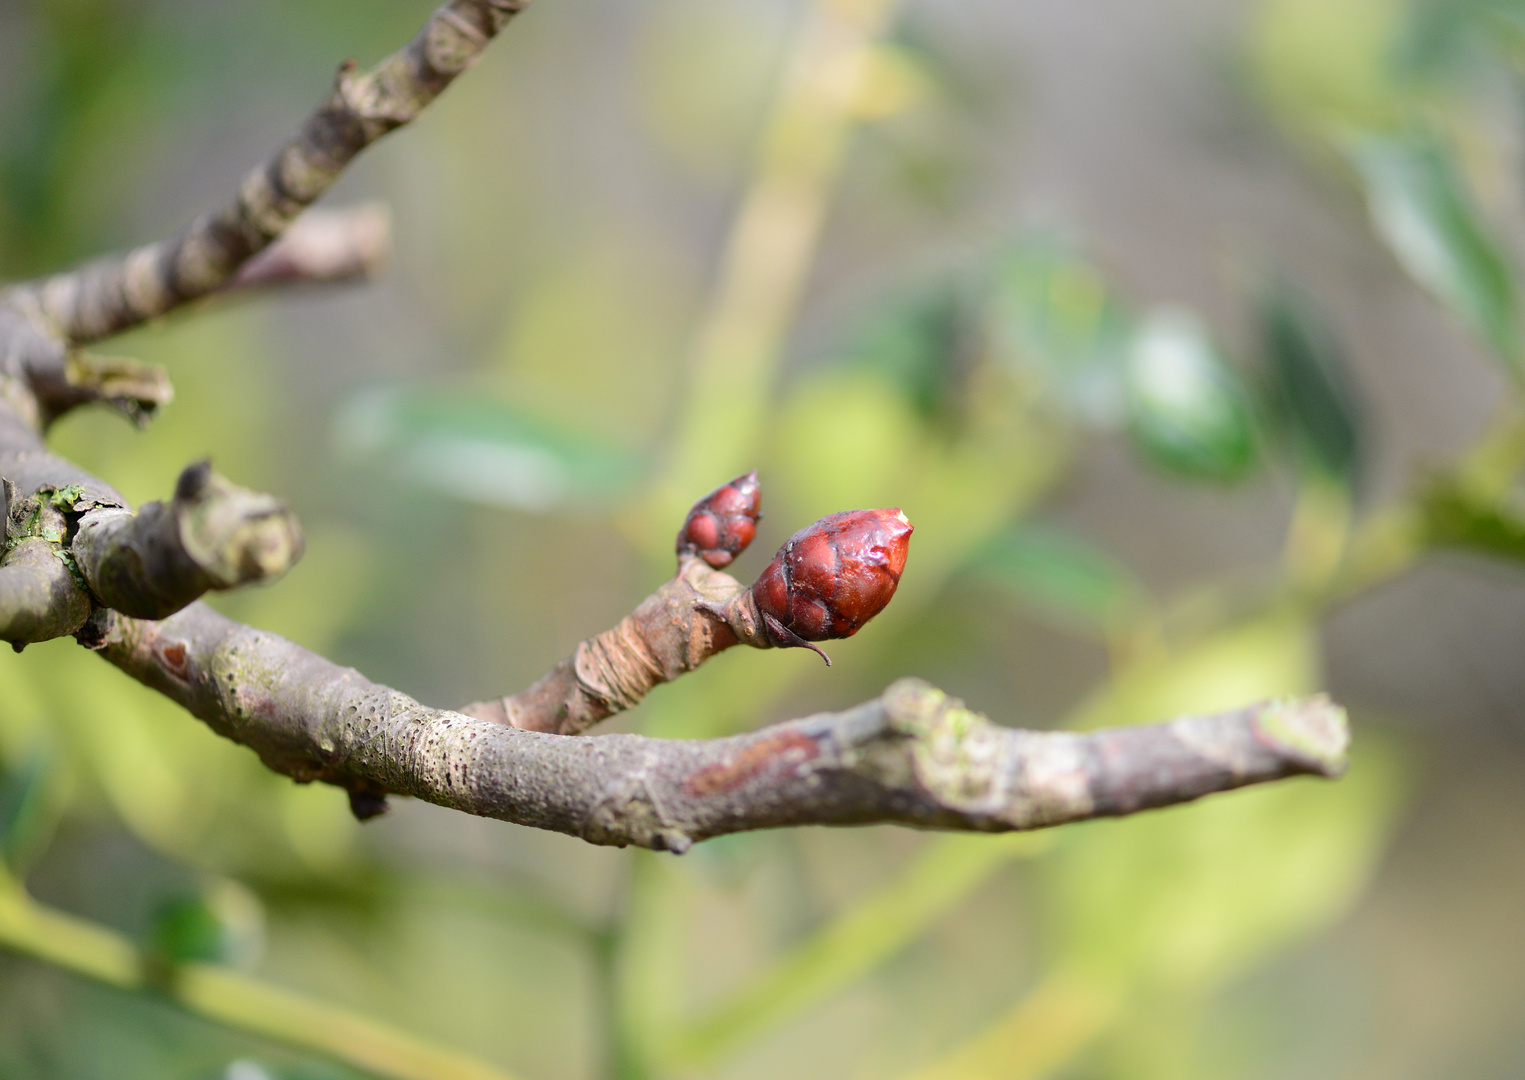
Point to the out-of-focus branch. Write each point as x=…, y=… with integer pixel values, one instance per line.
x=121, y=291
x=323, y=247
x=697, y=614
x=226, y=997
x=213, y=535
x=775, y=232
x=912, y=756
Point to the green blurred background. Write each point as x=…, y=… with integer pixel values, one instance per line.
x=1185, y=332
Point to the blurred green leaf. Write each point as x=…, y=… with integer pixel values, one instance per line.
x=1189, y=411
x=1454, y=517
x=1185, y=898
x=1446, y=33
x=1326, y=66
x=1061, y=321
x=1063, y=575
x=186, y=930
x=85, y=54
x=252, y=1069
x=1042, y=1031
x=473, y=448
x=1421, y=206
x=922, y=345
x=24, y=817
x=948, y=870
x=1311, y=383
x=221, y=924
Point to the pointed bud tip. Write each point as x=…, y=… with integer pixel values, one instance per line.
x=831, y=578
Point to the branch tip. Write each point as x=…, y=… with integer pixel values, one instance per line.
x=1314, y=730
x=135, y=389
x=323, y=247
x=193, y=480
x=237, y=536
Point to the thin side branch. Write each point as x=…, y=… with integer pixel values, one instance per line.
x=122, y=291
x=826, y=582
x=323, y=247
x=912, y=756
x=700, y=612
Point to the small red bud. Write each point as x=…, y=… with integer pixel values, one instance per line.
x=723, y=523
x=830, y=579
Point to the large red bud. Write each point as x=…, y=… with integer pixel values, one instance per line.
x=723, y=523
x=830, y=579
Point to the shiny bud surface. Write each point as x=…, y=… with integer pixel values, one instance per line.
x=723, y=523
x=831, y=578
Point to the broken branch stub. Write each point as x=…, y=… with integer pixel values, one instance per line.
x=213, y=535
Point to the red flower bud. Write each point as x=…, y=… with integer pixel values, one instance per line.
x=723, y=523
x=830, y=579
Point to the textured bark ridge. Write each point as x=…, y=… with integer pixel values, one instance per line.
x=77, y=560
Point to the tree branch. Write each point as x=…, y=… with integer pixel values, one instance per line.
x=912, y=756
x=121, y=291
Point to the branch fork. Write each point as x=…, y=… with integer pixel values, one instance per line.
x=825, y=582
x=78, y=560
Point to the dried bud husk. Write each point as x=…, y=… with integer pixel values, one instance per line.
x=831, y=578
x=723, y=523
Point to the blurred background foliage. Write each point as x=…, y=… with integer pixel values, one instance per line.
x=1187, y=334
